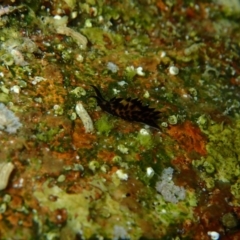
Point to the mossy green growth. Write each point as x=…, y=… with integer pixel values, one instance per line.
x=98, y=35
x=104, y=125
x=174, y=213
x=78, y=92
x=46, y=134
x=130, y=73
x=4, y=98
x=235, y=190
x=145, y=139
x=222, y=161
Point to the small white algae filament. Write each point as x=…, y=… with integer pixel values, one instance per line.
x=5, y=171
x=86, y=119
x=213, y=235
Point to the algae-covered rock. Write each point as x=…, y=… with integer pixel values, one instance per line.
x=73, y=203
x=98, y=36
x=222, y=161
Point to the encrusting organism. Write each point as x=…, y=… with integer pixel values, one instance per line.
x=5, y=171
x=8, y=121
x=166, y=187
x=128, y=109
x=86, y=119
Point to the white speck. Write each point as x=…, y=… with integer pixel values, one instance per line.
x=115, y=91
x=19, y=184
x=173, y=70
x=59, y=217
x=214, y=235
x=56, y=107
x=15, y=89
x=79, y=58
x=112, y=67
x=1, y=74
x=139, y=71
x=130, y=68
x=37, y=79
x=185, y=95
x=143, y=131
x=146, y=94
x=163, y=211
x=88, y=23
x=122, y=149
x=74, y=14
x=150, y=172
x=122, y=175
x=57, y=17
x=122, y=83
x=196, y=7
x=100, y=19
x=163, y=54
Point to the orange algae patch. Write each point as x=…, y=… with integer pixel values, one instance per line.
x=16, y=202
x=105, y=155
x=82, y=139
x=182, y=162
x=126, y=127
x=210, y=213
x=67, y=157
x=51, y=92
x=51, y=89
x=161, y=5
x=15, y=217
x=52, y=162
x=189, y=137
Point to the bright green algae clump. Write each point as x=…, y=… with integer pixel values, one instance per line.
x=145, y=139
x=222, y=161
x=103, y=125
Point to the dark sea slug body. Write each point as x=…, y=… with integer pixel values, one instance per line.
x=128, y=109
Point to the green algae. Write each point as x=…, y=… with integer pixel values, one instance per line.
x=221, y=163
x=4, y=98
x=85, y=216
x=145, y=139
x=235, y=190
x=130, y=73
x=171, y=213
x=72, y=202
x=97, y=36
x=104, y=125
x=46, y=133
x=78, y=92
